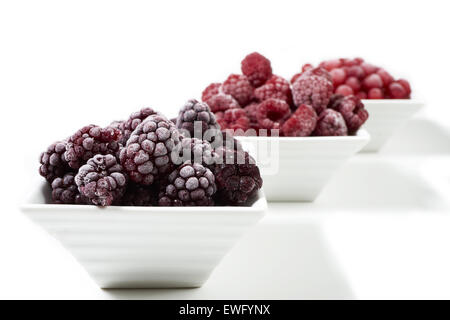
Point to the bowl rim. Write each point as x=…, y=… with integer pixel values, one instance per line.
x=361, y=135
x=259, y=205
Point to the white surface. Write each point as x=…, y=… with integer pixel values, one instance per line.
x=65, y=64
x=144, y=247
x=385, y=118
x=297, y=169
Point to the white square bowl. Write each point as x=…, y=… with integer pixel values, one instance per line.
x=145, y=247
x=297, y=168
x=385, y=117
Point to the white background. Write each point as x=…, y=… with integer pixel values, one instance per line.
x=64, y=64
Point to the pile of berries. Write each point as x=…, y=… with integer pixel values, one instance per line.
x=258, y=102
x=148, y=160
x=363, y=80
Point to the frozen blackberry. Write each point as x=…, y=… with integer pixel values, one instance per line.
x=89, y=141
x=239, y=88
x=222, y=102
x=53, y=162
x=188, y=185
x=128, y=126
x=352, y=109
x=147, y=153
x=136, y=195
x=101, y=180
x=257, y=68
x=196, y=116
x=330, y=123
x=237, y=177
x=227, y=140
x=65, y=190
x=195, y=151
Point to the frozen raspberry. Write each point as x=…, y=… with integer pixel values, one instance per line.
x=373, y=81
x=257, y=69
x=398, y=91
x=330, y=123
x=302, y=122
x=101, y=180
x=89, y=141
x=195, y=151
x=239, y=87
x=375, y=93
x=65, y=190
x=137, y=195
x=335, y=100
x=276, y=87
x=188, y=185
x=338, y=76
x=321, y=72
x=211, y=90
x=234, y=119
x=313, y=90
x=352, y=109
x=272, y=113
x=306, y=67
x=237, y=177
x=295, y=77
x=344, y=89
x=53, y=162
x=251, y=111
x=222, y=102
x=147, y=153
x=195, y=116
x=128, y=126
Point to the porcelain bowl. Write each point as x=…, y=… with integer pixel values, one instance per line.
x=144, y=247
x=385, y=117
x=297, y=168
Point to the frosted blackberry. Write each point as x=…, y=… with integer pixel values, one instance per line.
x=196, y=115
x=227, y=140
x=194, y=150
x=65, y=190
x=89, y=141
x=101, y=180
x=53, y=162
x=188, y=185
x=237, y=177
x=137, y=195
x=148, y=150
x=128, y=126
